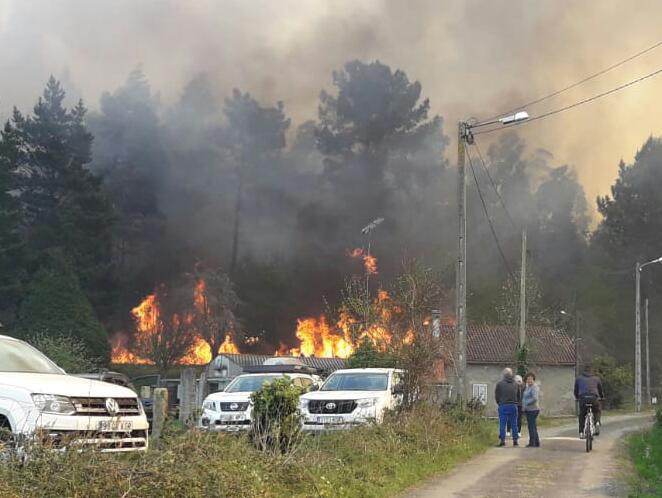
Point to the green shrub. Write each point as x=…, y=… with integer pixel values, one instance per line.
x=55, y=305
x=646, y=453
x=616, y=379
x=68, y=352
x=276, y=419
x=366, y=355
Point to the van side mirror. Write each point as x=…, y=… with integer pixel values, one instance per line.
x=314, y=387
x=398, y=389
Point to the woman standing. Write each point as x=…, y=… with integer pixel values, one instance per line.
x=531, y=409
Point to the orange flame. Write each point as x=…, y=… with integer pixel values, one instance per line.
x=148, y=320
x=369, y=261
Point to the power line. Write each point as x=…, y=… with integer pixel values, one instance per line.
x=487, y=215
x=576, y=104
x=583, y=80
x=494, y=187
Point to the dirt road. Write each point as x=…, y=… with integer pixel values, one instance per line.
x=560, y=468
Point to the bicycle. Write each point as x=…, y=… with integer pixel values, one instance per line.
x=589, y=424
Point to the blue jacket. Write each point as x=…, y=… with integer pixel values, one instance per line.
x=530, y=398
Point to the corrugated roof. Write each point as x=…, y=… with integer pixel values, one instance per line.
x=497, y=344
x=326, y=364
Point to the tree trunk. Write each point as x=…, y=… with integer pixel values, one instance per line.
x=235, y=234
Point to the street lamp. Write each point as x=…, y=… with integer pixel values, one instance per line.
x=465, y=136
x=637, y=332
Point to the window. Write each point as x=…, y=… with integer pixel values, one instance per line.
x=479, y=392
x=249, y=383
x=356, y=382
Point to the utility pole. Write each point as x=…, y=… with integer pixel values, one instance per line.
x=461, y=274
x=648, y=365
x=522, y=295
x=464, y=136
x=637, y=339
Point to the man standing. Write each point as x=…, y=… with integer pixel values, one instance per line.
x=588, y=389
x=507, y=396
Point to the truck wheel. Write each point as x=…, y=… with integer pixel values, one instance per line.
x=6, y=438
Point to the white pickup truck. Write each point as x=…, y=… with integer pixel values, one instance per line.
x=231, y=410
x=352, y=397
x=39, y=400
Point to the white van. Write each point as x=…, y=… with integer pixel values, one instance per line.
x=38, y=399
x=352, y=397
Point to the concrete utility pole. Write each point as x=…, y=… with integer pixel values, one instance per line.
x=461, y=275
x=522, y=295
x=637, y=332
x=464, y=136
x=648, y=363
x=637, y=340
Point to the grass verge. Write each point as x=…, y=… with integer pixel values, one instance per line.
x=646, y=453
x=371, y=461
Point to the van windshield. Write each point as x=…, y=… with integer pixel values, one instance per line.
x=20, y=357
x=356, y=382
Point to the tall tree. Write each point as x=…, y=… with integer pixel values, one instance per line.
x=11, y=244
x=255, y=136
x=64, y=209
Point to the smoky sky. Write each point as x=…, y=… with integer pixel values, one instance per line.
x=473, y=58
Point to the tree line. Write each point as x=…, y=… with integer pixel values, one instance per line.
x=99, y=208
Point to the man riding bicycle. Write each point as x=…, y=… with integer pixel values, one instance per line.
x=588, y=391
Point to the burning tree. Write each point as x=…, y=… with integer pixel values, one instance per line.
x=165, y=333
x=215, y=303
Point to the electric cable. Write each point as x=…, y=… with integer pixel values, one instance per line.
x=576, y=104
x=576, y=84
x=487, y=215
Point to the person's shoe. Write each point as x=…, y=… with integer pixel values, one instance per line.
x=530, y=445
x=597, y=429
x=501, y=443
x=507, y=433
x=515, y=443
x=582, y=435
x=519, y=434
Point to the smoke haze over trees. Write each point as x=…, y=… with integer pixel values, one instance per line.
x=135, y=193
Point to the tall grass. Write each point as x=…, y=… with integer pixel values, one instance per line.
x=646, y=453
x=370, y=461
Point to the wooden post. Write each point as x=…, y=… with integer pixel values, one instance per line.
x=159, y=411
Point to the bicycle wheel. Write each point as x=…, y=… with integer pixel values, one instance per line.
x=588, y=431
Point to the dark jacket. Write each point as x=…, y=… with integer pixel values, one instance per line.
x=507, y=392
x=587, y=384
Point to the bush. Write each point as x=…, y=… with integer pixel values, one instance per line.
x=366, y=355
x=616, y=379
x=276, y=419
x=66, y=351
x=56, y=305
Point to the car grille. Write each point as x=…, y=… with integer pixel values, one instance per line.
x=233, y=422
x=104, y=441
x=97, y=406
x=331, y=406
x=234, y=407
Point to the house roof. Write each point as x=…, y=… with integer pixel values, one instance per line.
x=326, y=364
x=497, y=344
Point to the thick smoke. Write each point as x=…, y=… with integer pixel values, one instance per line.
x=175, y=144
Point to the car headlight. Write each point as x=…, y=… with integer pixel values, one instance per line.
x=141, y=408
x=51, y=403
x=303, y=404
x=209, y=405
x=366, y=403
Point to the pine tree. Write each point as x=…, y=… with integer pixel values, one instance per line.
x=65, y=210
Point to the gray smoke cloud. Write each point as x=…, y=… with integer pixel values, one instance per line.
x=473, y=58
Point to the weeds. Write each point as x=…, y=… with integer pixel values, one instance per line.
x=369, y=461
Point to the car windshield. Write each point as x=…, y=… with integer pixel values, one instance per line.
x=356, y=382
x=249, y=383
x=20, y=357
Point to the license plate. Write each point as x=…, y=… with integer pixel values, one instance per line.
x=330, y=420
x=114, y=425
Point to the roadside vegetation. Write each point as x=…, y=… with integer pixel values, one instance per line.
x=646, y=453
x=371, y=461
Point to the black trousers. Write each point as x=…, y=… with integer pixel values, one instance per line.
x=519, y=420
x=532, y=423
x=597, y=410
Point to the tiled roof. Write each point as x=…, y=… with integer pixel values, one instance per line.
x=490, y=344
x=326, y=364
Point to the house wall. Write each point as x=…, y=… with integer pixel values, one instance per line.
x=556, y=386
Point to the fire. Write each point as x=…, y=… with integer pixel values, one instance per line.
x=317, y=338
x=369, y=261
x=147, y=316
